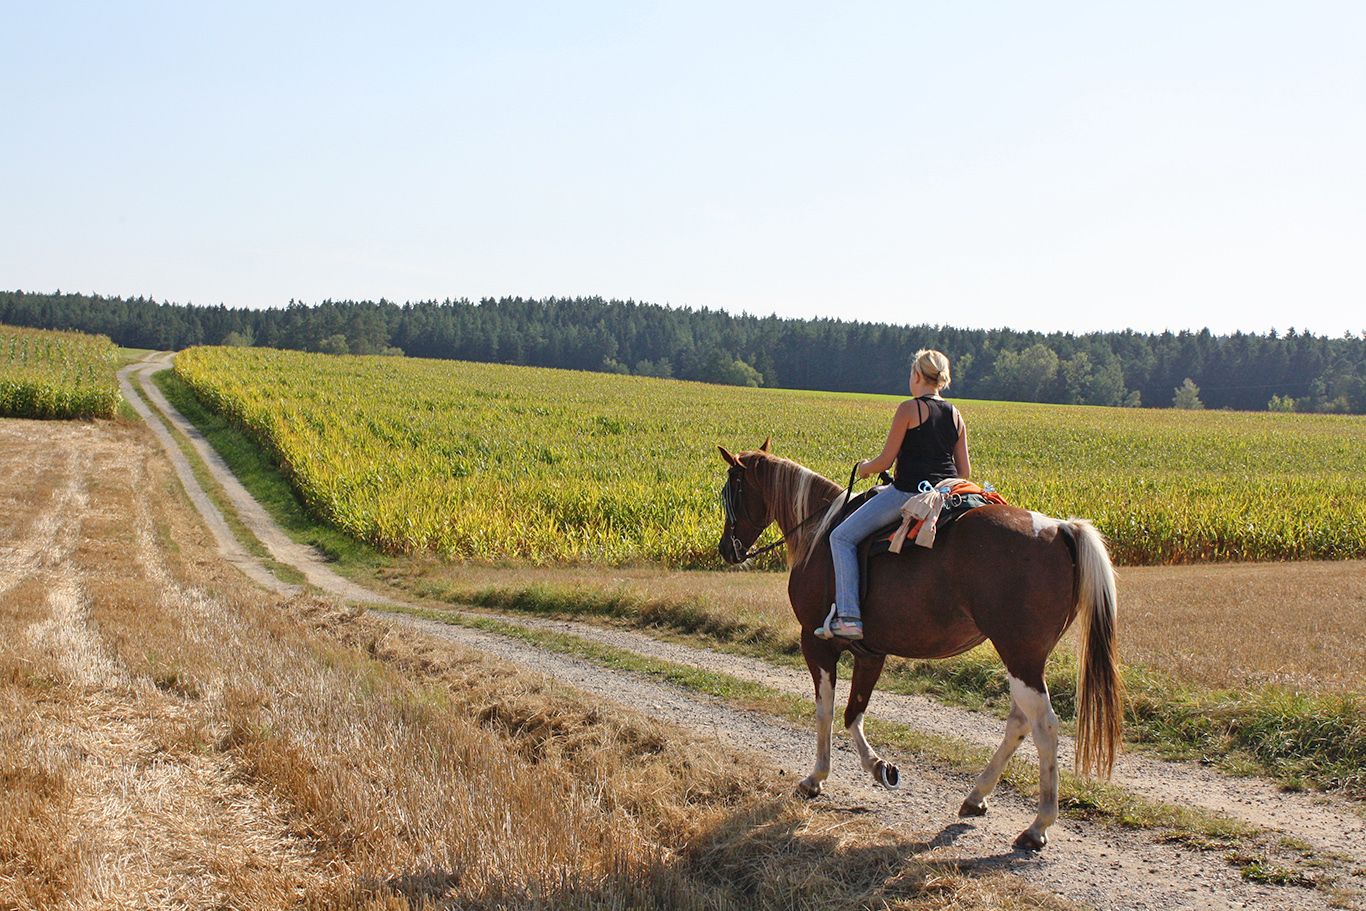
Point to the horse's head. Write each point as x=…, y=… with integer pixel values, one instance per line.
x=744, y=504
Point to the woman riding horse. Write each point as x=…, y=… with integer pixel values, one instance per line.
x=1002, y=573
x=928, y=441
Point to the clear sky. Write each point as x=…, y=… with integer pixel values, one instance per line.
x=1052, y=166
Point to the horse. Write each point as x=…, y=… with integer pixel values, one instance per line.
x=1015, y=577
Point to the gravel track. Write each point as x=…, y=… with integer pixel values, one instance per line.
x=1094, y=864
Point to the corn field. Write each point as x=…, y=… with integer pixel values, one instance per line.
x=58, y=375
x=495, y=462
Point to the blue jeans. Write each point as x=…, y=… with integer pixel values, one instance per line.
x=881, y=510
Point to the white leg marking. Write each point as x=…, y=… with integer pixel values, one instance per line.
x=1044, y=723
x=867, y=758
x=825, y=718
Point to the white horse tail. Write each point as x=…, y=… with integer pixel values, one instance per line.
x=1100, y=692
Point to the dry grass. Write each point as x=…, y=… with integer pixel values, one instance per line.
x=175, y=738
x=1220, y=626
x=1231, y=626
x=37, y=857
x=754, y=599
x=132, y=812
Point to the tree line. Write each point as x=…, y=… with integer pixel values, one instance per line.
x=1289, y=372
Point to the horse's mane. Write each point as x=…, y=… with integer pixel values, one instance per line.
x=797, y=493
x=823, y=526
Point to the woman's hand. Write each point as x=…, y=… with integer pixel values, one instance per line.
x=865, y=468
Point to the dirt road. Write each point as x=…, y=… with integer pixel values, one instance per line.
x=1088, y=863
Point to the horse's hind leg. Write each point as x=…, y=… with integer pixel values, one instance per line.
x=821, y=661
x=866, y=673
x=1044, y=723
x=1017, y=726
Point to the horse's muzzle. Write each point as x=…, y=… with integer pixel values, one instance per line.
x=730, y=550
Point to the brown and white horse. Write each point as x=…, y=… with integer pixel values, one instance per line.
x=1002, y=573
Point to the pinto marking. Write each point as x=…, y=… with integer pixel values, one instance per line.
x=1041, y=521
x=825, y=722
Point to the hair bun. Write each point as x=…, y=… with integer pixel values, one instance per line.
x=933, y=366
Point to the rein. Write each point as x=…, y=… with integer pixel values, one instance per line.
x=728, y=502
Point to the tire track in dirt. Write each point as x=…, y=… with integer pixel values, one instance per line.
x=283, y=548
x=30, y=544
x=1104, y=866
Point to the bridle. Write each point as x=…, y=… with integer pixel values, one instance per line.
x=732, y=495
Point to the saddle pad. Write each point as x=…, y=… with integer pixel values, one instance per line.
x=881, y=540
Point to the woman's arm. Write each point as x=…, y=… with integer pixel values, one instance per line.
x=960, y=450
x=906, y=413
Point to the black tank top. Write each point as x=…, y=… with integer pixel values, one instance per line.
x=927, y=450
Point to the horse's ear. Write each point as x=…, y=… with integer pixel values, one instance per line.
x=727, y=456
x=767, y=440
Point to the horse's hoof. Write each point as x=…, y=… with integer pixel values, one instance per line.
x=972, y=809
x=888, y=774
x=808, y=788
x=1028, y=841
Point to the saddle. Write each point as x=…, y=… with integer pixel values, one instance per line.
x=926, y=517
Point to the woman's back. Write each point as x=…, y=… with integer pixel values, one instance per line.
x=927, y=449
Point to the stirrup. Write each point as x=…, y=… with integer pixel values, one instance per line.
x=823, y=631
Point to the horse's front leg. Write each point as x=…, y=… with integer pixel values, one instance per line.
x=822, y=661
x=867, y=670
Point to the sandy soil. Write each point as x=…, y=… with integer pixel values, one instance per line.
x=1088, y=863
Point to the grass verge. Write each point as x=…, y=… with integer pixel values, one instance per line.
x=1302, y=740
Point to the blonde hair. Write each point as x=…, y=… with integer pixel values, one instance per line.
x=933, y=367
